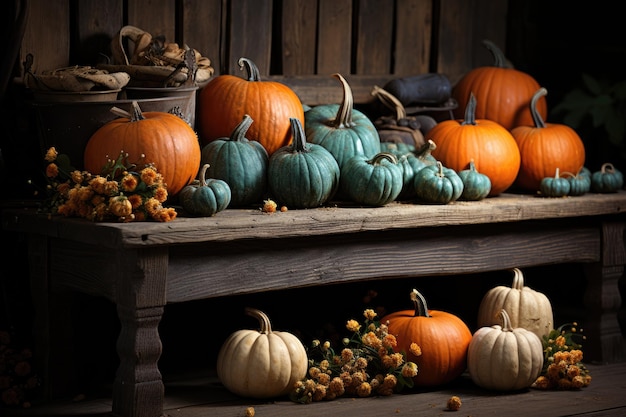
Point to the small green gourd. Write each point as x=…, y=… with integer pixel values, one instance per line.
x=607, y=180
x=205, y=198
x=476, y=185
x=437, y=184
x=556, y=186
x=372, y=182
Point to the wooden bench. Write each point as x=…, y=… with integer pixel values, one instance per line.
x=141, y=267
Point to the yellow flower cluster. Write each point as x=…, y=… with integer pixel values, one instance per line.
x=367, y=365
x=563, y=367
x=123, y=192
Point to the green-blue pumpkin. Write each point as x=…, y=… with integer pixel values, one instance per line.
x=436, y=184
x=607, y=180
x=556, y=186
x=476, y=185
x=344, y=131
x=302, y=175
x=242, y=163
x=204, y=198
x=372, y=182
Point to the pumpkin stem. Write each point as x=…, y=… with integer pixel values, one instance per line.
x=239, y=133
x=299, y=138
x=264, y=321
x=344, y=114
x=134, y=116
x=383, y=155
x=533, y=107
x=470, y=111
x=505, y=320
x=607, y=168
x=421, y=308
x=498, y=56
x=253, y=70
x=390, y=101
x=518, y=279
x=425, y=150
x=440, y=169
x=202, y=175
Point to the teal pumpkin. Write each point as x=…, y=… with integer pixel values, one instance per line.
x=607, y=180
x=242, y=163
x=344, y=131
x=476, y=185
x=579, y=184
x=302, y=175
x=556, y=186
x=204, y=198
x=411, y=162
x=372, y=182
x=437, y=184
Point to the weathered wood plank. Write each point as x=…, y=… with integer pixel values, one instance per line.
x=235, y=224
x=298, y=37
x=157, y=17
x=412, y=37
x=96, y=25
x=454, y=39
x=47, y=34
x=375, y=24
x=200, y=26
x=334, y=48
x=250, y=35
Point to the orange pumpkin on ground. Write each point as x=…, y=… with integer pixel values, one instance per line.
x=503, y=93
x=160, y=138
x=224, y=101
x=492, y=148
x=443, y=338
x=544, y=147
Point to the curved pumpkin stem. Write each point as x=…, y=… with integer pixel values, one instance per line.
x=390, y=101
x=498, y=56
x=425, y=150
x=383, y=155
x=421, y=308
x=202, y=175
x=518, y=279
x=239, y=132
x=253, y=70
x=344, y=114
x=264, y=321
x=470, y=111
x=505, y=320
x=533, y=107
x=607, y=168
x=299, y=138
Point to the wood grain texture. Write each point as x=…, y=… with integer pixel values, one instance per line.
x=47, y=34
x=334, y=37
x=374, y=34
x=299, y=37
x=413, y=36
x=250, y=35
x=200, y=27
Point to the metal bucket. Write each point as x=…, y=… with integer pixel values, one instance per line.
x=68, y=126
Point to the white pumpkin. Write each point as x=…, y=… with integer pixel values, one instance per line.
x=526, y=307
x=503, y=358
x=263, y=363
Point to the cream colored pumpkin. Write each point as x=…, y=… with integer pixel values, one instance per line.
x=526, y=307
x=263, y=363
x=503, y=358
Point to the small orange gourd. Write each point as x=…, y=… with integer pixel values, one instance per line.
x=544, y=147
x=492, y=148
x=442, y=337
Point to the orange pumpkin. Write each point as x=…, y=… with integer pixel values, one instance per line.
x=503, y=93
x=160, y=138
x=224, y=101
x=443, y=338
x=546, y=147
x=490, y=145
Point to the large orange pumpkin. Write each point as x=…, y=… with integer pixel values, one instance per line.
x=443, y=338
x=503, y=93
x=224, y=101
x=546, y=147
x=492, y=148
x=160, y=138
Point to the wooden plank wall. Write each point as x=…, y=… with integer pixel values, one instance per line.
x=299, y=42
